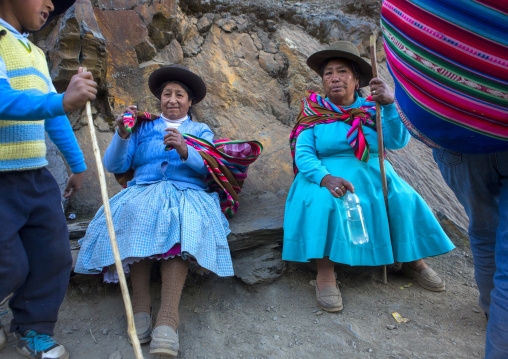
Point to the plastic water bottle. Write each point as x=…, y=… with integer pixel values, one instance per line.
x=355, y=221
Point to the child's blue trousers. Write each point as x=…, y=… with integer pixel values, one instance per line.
x=35, y=256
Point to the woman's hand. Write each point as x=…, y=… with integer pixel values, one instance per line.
x=381, y=92
x=337, y=186
x=122, y=131
x=175, y=139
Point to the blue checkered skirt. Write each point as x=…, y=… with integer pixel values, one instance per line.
x=150, y=219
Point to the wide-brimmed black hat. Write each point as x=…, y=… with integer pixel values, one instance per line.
x=61, y=6
x=346, y=50
x=177, y=73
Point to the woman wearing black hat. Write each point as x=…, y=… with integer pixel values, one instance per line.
x=331, y=145
x=165, y=213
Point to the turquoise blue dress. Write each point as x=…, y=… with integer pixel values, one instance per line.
x=315, y=222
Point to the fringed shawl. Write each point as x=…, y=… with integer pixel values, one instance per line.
x=316, y=110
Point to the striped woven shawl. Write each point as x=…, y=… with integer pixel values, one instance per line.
x=227, y=167
x=227, y=163
x=449, y=59
x=316, y=110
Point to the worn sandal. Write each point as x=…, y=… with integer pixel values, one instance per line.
x=329, y=299
x=164, y=341
x=428, y=279
x=143, y=323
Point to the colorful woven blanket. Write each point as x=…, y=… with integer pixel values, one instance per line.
x=316, y=110
x=227, y=162
x=449, y=59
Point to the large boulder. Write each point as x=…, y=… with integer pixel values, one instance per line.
x=252, y=56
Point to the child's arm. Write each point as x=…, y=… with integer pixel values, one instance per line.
x=28, y=106
x=61, y=134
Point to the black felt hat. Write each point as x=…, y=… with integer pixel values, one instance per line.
x=177, y=73
x=61, y=6
x=344, y=49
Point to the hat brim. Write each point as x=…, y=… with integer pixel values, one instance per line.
x=189, y=78
x=318, y=58
x=60, y=6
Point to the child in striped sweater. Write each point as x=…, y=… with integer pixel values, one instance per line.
x=35, y=260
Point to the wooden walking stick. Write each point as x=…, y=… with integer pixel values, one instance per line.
x=379, y=130
x=112, y=237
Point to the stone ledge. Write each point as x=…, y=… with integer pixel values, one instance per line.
x=255, y=240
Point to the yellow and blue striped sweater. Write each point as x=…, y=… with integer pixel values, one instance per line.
x=25, y=101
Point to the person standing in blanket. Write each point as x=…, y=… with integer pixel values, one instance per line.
x=449, y=60
x=165, y=214
x=35, y=257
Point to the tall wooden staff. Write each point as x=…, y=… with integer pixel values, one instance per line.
x=112, y=237
x=379, y=130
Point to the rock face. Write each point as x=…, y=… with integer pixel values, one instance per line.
x=252, y=56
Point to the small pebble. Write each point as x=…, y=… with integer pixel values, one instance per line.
x=276, y=337
x=370, y=350
x=115, y=355
x=390, y=327
x=316, y=321
x=284, y=316
x=319, y=312
x=105, y=331
x=67, y=331
x=476, y=310
x=274, y=318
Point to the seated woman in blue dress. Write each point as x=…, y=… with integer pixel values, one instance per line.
x=164, y=213
x=332, y=142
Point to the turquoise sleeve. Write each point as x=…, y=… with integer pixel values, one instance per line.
x=395, y=134
x=306, y=157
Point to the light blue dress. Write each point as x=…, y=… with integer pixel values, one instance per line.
x=315, y=222
x=165, y=204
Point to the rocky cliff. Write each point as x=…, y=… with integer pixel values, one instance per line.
x=252, y=56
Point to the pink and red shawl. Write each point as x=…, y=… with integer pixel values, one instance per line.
x=449, y=59
x=316, y=110
x=227, y=163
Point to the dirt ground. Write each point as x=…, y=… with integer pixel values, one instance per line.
x=224, y=318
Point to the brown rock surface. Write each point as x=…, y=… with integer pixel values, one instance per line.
x=252, y=56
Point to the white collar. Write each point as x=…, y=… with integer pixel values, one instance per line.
x=9, y=27
x=179, y=120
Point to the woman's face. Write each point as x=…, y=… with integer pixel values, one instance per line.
x=175, y=101
x=339, y=82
